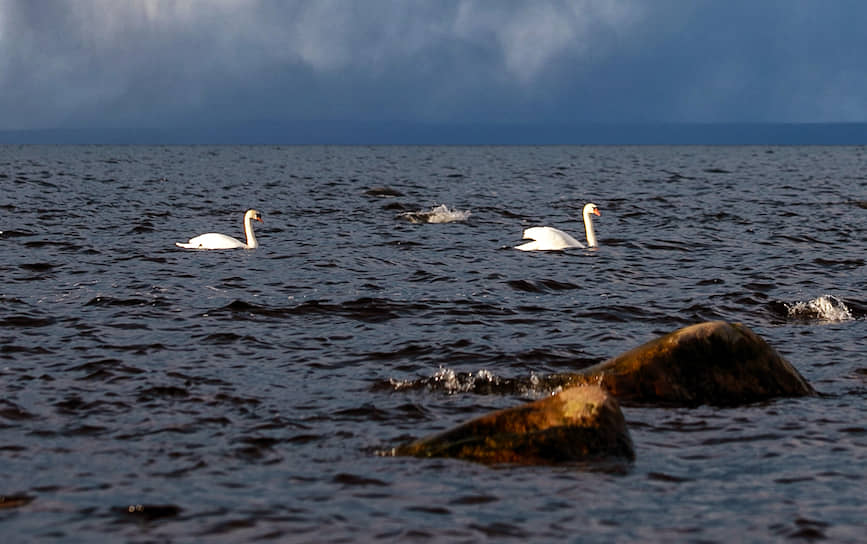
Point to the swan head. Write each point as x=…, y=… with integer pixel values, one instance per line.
x=253, y=214
x=591, y=208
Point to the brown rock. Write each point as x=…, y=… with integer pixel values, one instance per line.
x=579, y=424
x=714, y=363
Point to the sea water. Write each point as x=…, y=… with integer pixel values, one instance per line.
x=151, y=393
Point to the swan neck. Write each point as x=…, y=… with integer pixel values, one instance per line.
x=588, y=226
x=252, y=243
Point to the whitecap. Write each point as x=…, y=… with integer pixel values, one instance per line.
x=827, y=308
x=438, y=214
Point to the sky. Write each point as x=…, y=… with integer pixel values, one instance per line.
x=85, y=64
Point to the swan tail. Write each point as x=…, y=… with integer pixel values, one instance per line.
x=185, y=246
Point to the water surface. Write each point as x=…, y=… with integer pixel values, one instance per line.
x=153, y=393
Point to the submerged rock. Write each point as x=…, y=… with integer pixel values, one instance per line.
x=579, y=424
x=714, y=363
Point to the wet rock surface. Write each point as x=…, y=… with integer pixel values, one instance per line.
x=714, y=363
x=582, y=423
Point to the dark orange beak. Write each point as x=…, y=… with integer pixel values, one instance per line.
x=596, y=211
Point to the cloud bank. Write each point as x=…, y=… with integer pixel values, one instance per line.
x=159, y=63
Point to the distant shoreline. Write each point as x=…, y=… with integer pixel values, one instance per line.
x=411, y=133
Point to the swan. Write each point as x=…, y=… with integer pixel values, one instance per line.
x=213, y=240
x=548, y=238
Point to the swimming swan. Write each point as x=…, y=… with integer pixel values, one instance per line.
x=213, y=240
x=548, y=238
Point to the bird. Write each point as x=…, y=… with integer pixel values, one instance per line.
x=549, y=238
x=213, y=240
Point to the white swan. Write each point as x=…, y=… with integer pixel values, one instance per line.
x=548, y=238
x=213, y=240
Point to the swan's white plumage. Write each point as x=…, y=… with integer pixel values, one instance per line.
x=547, y=238
x=550, y=239
x=214, y=240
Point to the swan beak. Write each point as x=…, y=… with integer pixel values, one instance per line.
x=259, y=218
x=596, y=211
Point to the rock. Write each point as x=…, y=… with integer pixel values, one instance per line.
x=582, y=423
x=715, y=363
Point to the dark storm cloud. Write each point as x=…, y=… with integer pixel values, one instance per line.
x=151, y=62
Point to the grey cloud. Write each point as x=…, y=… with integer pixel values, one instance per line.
x=157, y=62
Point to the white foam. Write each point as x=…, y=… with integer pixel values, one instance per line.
x=481, y=381
x=447, y=378
x=438, y=214
x=455, y=383
x=827, y=308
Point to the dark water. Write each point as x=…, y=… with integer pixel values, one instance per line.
x=249, y=395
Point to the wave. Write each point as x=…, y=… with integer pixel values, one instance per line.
x=450, y=382
x=438, y=214
x=368, y=309
x=826, y=308
x=481, y=382
x=382, y=192
x=540, y=286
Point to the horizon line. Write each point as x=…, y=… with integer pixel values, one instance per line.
x=336, y=132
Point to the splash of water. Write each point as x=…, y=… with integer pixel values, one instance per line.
x=438, y=214
x=827, y=308
x=481, y=382
x=452, y=382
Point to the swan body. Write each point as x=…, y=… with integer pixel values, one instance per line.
x=213, y=240
x=549, y=238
